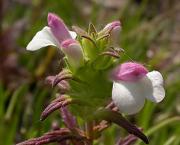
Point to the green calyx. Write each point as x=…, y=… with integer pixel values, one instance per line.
x=91, y=84
x=92, y=87
x=94, y=44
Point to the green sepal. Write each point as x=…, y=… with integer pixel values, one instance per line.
x=92, y=29
x=103, y=62
x=94, y=89
x=90, y=48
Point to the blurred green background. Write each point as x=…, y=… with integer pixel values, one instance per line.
x=150, y=34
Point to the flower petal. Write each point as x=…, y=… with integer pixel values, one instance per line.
x=73, y=34
x=112, y=25
x=154, y=89
x=58, y=27
x=129, y=71
x=73, y=51
x=42, y=38
x=128, y=96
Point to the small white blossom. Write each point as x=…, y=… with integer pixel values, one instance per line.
x=133, y=84
x=53, y=35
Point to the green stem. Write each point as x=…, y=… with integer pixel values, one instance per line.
x=162, y=124
x=14, y=100
x=159, y=126
x=170, y=140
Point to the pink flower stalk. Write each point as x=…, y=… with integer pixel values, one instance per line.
x=129, y=71
x=58, y=28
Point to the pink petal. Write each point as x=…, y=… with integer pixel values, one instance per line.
x=73, y=50
x=113, y=29
x=129, y=71
x=113, y=25
x=58, y=28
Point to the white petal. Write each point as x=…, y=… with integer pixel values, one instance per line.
x=154, y=89
x=128, y=96
x=73, y=34
x=74, y=54
x=42, y=38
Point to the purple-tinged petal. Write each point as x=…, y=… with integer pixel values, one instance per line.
x=68, y=42
x=58, y=28
x=129, y=71
x=113, y=25
x=114, y=29
x=73, y=51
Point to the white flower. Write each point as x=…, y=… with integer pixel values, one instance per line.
x=53, y=35
x=133, y=84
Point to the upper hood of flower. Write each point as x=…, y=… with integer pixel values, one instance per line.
x=113, y=25
x=129, y=71
x=58, y=28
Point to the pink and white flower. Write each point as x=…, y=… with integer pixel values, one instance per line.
x=73, y=50
x=133, y=84
x=53, y=34
x=115, y=25
x=114, y=28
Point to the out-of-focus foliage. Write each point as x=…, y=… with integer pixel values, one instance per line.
x=150, y=34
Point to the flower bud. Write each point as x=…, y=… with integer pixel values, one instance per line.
x=72, y=49
x=58, y=28
x=114, y=29
x=129, y=71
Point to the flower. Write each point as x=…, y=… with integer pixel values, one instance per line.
x=53, y=35
x=132, y=84
x=113, y=25
x=72, y=49
x=114, y=29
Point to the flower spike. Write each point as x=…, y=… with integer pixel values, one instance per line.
x=83, y=84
